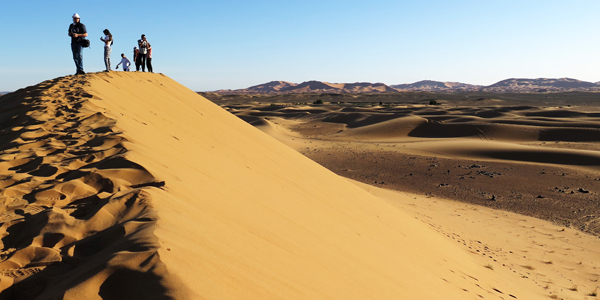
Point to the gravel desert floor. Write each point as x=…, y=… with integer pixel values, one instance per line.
x=536, y=161
x=524, y=179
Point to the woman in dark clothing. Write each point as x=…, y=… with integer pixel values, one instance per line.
x=136, y=58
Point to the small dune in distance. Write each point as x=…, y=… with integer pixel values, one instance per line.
x=128, y=185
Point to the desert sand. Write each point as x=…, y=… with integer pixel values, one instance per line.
x=541, y=161
x=128, y=185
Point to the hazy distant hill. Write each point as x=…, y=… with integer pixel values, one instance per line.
x=283, y=87
x=429, y=85
x=273, y=86
x=512, y=85
x=542, y=85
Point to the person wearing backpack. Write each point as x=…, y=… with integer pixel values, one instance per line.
x=136, y=58
x=77, y=32
x=143, y=44
x=108, y=41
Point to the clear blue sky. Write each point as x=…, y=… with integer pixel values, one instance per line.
x=228, y=44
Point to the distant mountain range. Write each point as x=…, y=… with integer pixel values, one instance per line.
x=285, y=87
x=512, y=85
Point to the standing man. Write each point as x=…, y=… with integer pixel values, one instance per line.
x=143, y=44
x=77, y=32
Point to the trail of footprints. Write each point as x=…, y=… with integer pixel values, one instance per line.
x=62, y=172
x=517, y=261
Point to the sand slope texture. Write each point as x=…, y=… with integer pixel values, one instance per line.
x=130, y=186
x=535, y=158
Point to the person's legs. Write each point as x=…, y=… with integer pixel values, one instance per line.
x=137, y=63
x=143, y=62
x=149, y=64
x=107, y=52
x=77, y=57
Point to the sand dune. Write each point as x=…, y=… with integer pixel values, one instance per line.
x=74, y=217
x=510, y=125
x=540, y=161
x=263, y=221
x=559, y=260
x=126, y=185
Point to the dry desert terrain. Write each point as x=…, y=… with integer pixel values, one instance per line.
x=541, y=161
x=124, y=185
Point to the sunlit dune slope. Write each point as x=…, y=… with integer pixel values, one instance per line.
x=122, y=185
x=245, y=217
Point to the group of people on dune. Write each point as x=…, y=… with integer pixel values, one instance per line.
x=142, y=56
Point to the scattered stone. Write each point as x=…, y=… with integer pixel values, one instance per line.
x=489, y=174
x=582, y=190
x=540, y=197
x=494, y=198
x=443, y=184
x=563, y=190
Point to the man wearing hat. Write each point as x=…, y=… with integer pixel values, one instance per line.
x=77, y=32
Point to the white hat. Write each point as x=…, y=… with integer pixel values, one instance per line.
x=76, y=16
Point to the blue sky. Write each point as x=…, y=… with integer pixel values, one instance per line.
x=227, y=44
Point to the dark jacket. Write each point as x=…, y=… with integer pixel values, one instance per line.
x=77, y=28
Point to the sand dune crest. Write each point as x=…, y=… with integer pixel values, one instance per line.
x=121, y=185
x=72, y=221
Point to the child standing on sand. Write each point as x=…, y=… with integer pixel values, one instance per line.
x=126, y=63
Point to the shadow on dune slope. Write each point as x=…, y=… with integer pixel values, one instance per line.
x=70, y=211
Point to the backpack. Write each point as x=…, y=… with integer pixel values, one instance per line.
x=85, y=43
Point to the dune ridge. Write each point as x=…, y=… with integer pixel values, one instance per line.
x=76, y=219
x=118, y=184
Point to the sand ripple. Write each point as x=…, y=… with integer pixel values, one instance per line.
x=74, y=213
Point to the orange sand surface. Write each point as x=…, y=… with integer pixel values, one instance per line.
x=128, y=185
x=536, y=158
